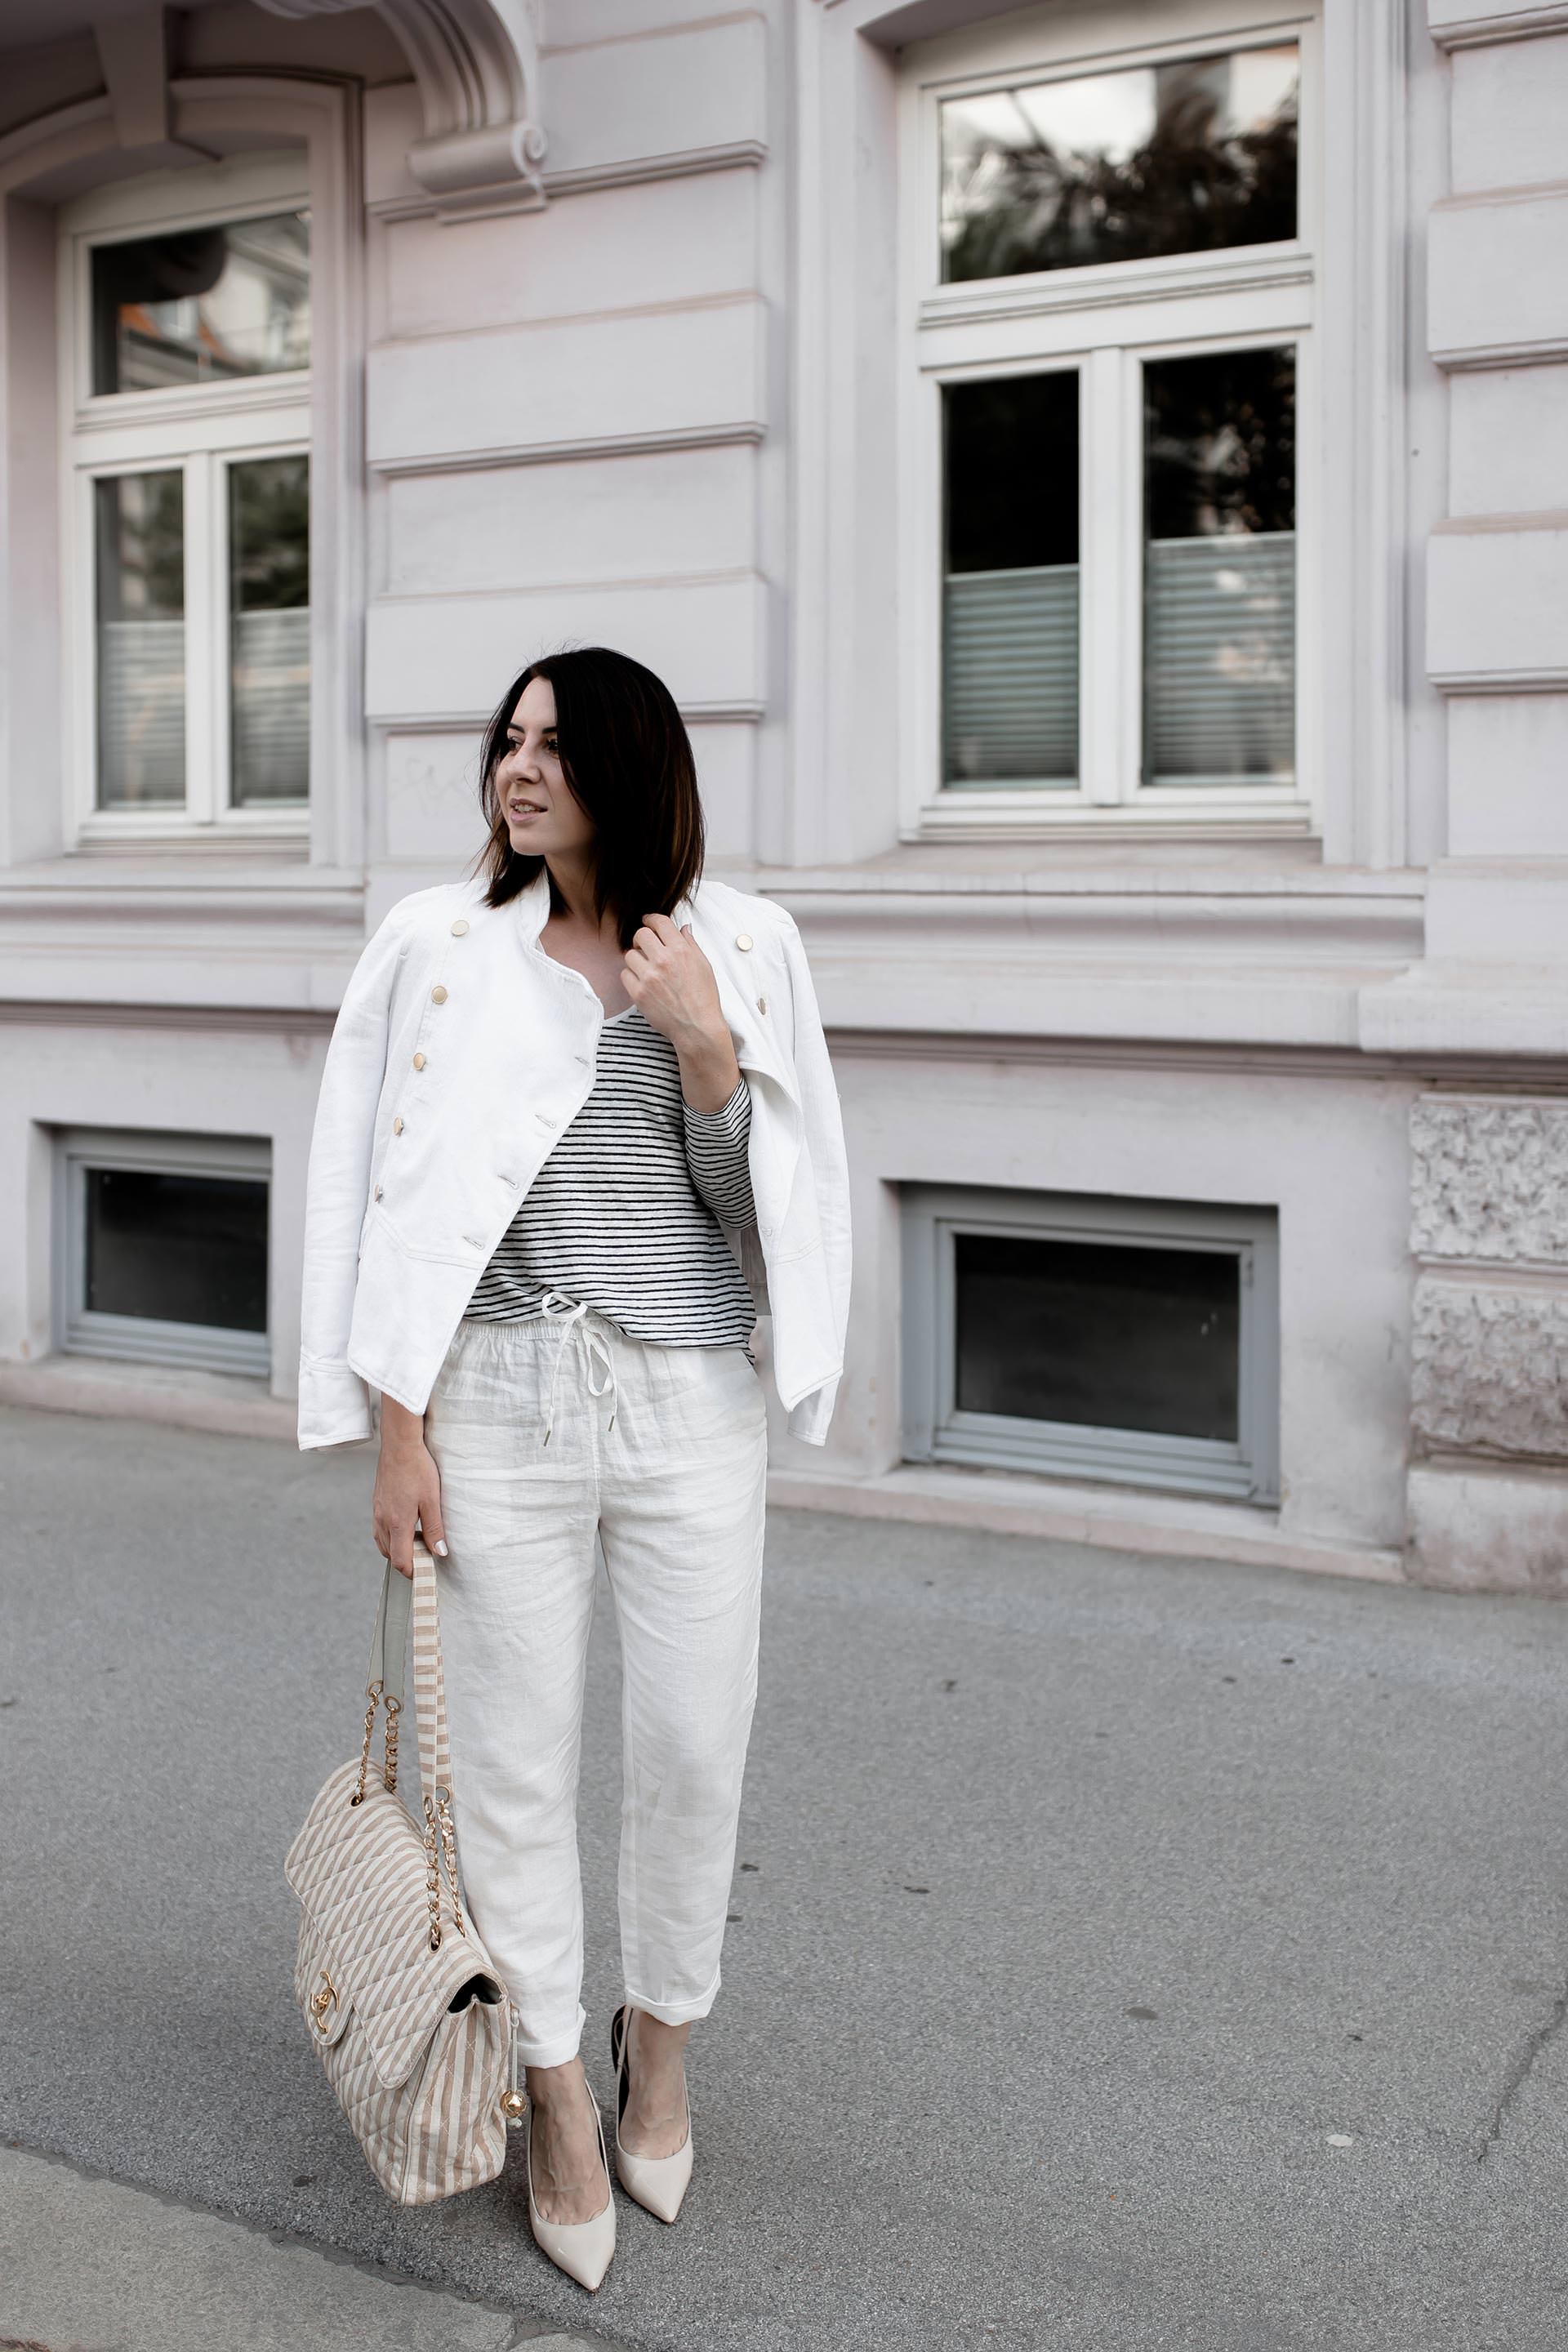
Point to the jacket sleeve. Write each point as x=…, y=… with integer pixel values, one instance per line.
x=334, y=1403
x=824, y=1127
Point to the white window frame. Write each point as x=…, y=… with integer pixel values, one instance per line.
x=936, y=1430
x=133, y=1339
x=1103, y=321
x=201, y=430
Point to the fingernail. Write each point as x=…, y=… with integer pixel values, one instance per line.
x=440, y=1552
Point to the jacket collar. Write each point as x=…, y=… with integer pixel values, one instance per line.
x=755, y=1033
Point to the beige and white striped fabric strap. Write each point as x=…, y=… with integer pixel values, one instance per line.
x=430, y=1684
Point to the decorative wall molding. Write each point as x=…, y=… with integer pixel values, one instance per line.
x=1482, y=31
x=549, y=453
x=1490, y=1180
x=679, y=164
x=1486, y=1370
x=1174, y=279
x=475, y=63
x=238, y=1020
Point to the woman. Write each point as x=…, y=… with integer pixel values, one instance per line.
x=552, y=1094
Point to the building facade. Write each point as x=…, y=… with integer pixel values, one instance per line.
x=1095, y=476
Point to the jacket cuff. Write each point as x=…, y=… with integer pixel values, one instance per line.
x=334, y=1406
x=809, y=1419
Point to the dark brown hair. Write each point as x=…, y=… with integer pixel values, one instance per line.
x=626, y=757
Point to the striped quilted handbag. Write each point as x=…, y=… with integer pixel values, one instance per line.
x=405, y=2011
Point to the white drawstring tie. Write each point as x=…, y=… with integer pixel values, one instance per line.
x=556, y=1307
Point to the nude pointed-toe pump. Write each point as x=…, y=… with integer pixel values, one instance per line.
x=657, y=2182
x=582, y=2249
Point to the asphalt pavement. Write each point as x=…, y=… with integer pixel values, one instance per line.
x=1128, y=1954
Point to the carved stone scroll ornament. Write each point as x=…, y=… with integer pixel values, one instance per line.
x=476, y=64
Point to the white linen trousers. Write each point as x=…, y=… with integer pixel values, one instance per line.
x=548, y=1433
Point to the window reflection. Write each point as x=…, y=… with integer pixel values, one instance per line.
x=1220, y=568
x=269, y=630
x=176, y=1248
x=202, y=305
x=1176, y=158
x=1010, y=618
x=141, y=593
x=1098, y=1334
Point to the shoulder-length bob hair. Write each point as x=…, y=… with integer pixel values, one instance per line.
x=626, y=756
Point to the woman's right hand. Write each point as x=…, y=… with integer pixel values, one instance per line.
x=407, y=1489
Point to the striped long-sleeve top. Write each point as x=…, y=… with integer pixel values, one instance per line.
x=624, y=1214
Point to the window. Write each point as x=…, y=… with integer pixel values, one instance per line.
x=163, y=1249
x=188, y=349
x=1108, y=294
x=1123, y=1340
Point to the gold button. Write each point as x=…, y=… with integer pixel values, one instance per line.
x=378, y=1192
x=459, y=928
x=762, y=1005
x=397, y=1127
x=743, y=940
x=438, y=994
x=419, y=1061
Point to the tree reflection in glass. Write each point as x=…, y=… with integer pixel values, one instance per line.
x=1125, y=166
x=270, y=629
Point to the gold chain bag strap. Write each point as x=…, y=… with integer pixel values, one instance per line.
x=404, y=2010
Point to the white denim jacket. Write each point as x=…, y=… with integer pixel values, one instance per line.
x=461, y=1052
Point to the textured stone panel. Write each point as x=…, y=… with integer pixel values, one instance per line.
x=1490, y=1178
x=1490, y=1372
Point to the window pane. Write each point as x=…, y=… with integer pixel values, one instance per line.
x=1104, y=1335
x=201, y=306
x=1011, y=590
x=141, y=597
x=1219, y=582
x=177, y=1249
x=270, y=629
x=1123, y=166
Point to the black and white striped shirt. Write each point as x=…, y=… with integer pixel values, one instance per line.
x=624, y=1216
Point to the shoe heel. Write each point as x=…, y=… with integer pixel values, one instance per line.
x=658, y=2183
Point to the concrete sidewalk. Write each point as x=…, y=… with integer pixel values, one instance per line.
x=1128, y=1956
x=87, y=2264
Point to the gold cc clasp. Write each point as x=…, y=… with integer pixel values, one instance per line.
x=323, y=1999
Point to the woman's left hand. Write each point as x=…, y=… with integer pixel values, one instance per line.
x=671, y=982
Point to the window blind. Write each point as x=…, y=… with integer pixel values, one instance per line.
x=1010, y=665
x=1220, y=659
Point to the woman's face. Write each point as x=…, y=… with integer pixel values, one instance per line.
x=543, y=817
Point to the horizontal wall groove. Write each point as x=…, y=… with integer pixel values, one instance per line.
x=550, y=453
x=1492, y=1273
x=1153, y=1054
x=684, y=24
x=727, y=577
x=1490, y=32
x=239, y=1020
x=440, y=722
x=1499, y=681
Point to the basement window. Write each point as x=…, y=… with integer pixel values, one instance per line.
x=164, y=1249
x=1098, y=1339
